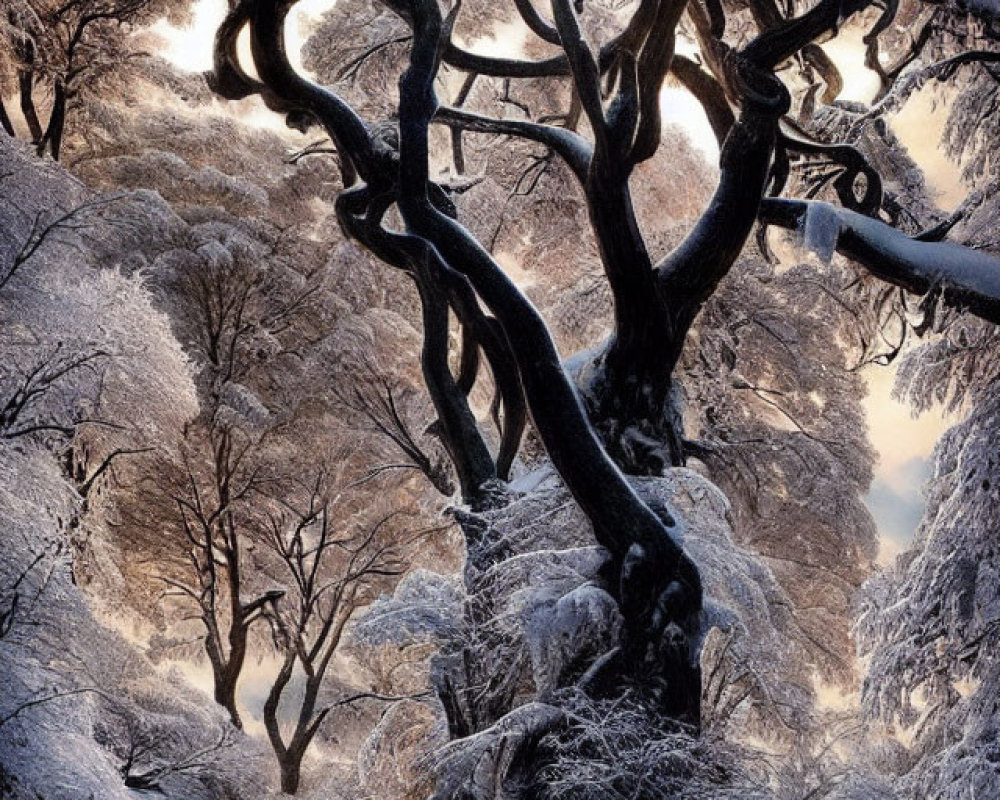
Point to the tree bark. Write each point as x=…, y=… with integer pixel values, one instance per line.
x=5, y=122
x=225, y=692
x=460, y=432
x=288, y=766
x=291, y=771
x=52, y=139
x=26, y=81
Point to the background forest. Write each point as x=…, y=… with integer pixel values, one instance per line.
x=296, y=498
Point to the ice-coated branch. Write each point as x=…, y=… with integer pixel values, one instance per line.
x=967, y=278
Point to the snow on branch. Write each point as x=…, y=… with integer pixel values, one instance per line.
x=967, y=278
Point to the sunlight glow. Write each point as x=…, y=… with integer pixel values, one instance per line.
x=679, y=107
x=190, y=47
x=904, y=444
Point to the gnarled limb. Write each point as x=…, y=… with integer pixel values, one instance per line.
x=360, y=212
x=687, y=277
x=468, y=366
x=484, y=331
x=660, y=585
x=850, y=158
x=781, y=41
x=571, y=147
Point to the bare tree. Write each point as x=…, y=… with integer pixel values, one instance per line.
x=215, y=508
x=330, y=576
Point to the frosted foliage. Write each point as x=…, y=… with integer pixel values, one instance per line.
x=240, y=407
x=83, y=339
x=951, y=369
x=930, y=626
x=535, y=604
x=423, y=605
x=617, y=750
x=398, y=634
x=198, y=159
x=768, y=395
x=91, y=694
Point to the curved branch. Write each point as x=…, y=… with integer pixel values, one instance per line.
x=457, y=154
x=288, y=89
x=828, y=71
x=583, y=66
x=228, y=78
x=571, y=147
x=534, y=21
x=487, y=333
x=850, y=158
x=781, y=41
x=688, y=276
x=460, y=433
x=653, y=64
x=468, y=367
x=707, y=91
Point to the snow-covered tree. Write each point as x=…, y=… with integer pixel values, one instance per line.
x=390, y=166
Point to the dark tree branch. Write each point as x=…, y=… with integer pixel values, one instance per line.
x=967, y=279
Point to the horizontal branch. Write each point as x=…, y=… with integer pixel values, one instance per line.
x=967, y=278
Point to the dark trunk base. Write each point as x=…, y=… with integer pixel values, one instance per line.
x=291, y=771
x=225, y=696
x=635, y=410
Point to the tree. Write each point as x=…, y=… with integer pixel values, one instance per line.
x=329, y=577
x=68, y=48
x=655, y=305
x=233, y=314
x=214, y=509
